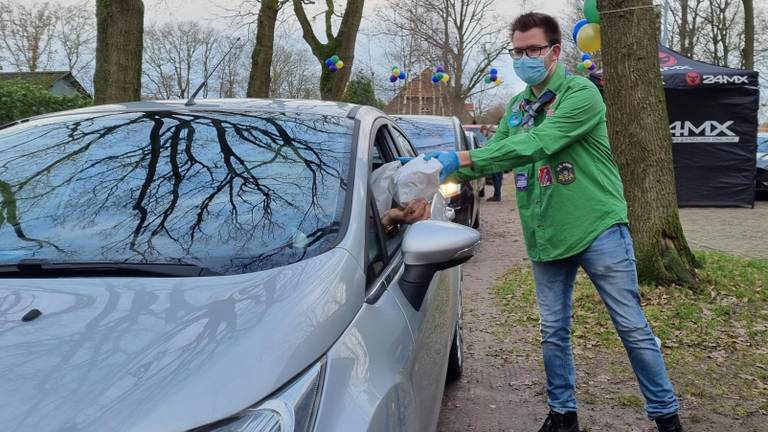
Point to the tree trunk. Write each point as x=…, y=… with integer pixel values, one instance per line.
x=642, y=143
x=748, y=53
x=261, y=59
x=119, y=45
x=333, y=84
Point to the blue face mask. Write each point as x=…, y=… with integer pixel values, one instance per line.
x=531, y=70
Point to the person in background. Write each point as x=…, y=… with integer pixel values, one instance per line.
x=573, y=212
x=496, y=178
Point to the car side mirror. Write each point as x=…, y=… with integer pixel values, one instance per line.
x=432, y=246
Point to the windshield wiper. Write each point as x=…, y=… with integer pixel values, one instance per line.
x=34, y=268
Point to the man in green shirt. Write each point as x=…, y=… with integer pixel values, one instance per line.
x=571, y=202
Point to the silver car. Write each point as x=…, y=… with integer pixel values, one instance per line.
x=219, y=267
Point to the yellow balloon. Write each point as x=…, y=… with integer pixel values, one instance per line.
x=395, y=72
x=587, y=64
x=446, y=78
x=588, y=39
x=340, y=64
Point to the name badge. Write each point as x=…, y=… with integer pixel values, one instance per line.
x=521, y=181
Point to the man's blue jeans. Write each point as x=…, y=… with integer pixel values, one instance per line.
x=497, y=179
x=610, y=263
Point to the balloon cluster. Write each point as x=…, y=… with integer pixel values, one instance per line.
x=586, y=32
x=586, y=63
x=440, y=75
x=493, y=77
x=397, y=74
x=334, y=63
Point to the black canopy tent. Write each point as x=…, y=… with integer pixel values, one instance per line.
x=713, y=120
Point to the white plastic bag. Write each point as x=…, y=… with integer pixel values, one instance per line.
x=418, y=179
x=382, y=186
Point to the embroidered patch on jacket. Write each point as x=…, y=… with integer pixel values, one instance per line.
x=521, y=181
x=515, y=120
x=545, y=176
x=550, y=112
x=565, y=173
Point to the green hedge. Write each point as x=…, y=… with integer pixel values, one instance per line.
x=20, y=99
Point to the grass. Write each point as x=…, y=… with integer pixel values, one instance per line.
x=715, y=340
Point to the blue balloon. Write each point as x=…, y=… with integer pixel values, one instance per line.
x=578, y=27
x=586, y=57
x=494, y=78
x=328, y=62
x=440, y=69
x=402, y=75
x=392, y=78
x=333, y=68
x=435, y=79
x=494, y=71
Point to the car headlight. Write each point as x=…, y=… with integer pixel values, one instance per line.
x=292, y=409
x=449, y=190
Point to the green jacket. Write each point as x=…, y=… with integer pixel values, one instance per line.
x=568, y=187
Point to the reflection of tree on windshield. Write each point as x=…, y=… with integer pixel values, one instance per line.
x=234, y=191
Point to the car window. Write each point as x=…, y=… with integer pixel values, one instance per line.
x=375, y=258
x=429, y=133
x=762, y=143
x=231, y=192
x=404, y=147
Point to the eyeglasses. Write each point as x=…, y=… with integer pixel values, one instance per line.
x=531, y=51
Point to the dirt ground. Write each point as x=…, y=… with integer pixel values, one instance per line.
x=503, y=384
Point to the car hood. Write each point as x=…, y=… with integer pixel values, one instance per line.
x=152, y=354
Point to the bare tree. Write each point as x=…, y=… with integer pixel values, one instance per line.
x=76, y=36
x=28, y=33
x=460, y=35
x=724, y=32
x=748, y=52
x=642, y=144
x=332, y=85
x=175, y=54
x=119, y=45
x=292, y=72
x=232, y=80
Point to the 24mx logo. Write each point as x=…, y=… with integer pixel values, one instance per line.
x=708, y=131
x=724, y=79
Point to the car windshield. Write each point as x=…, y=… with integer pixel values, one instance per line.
x=481, y=139
x=429, y=133
x=230, y=192
x=762, y=143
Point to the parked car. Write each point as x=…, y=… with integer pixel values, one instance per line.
x=476, y=131
x=762, y=162
x=434, y=133
x=219, y=267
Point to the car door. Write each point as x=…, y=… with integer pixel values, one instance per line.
x=432, y=324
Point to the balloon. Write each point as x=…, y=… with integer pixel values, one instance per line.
x=435, y=79
x=446, y=78
x=593, y=67
x=589, y=38
x=440, y=69
x=494, y=71
x=396, y=71
x=335, y=59
x=586, y=56
x=328, y=62
x=581, y=23
x=587, y=63
x=498, y=82
x=494, y=78
x=402, y=75
x=333, y=68
x=591, y=12
x=392, y=79
x=487, y=79
x=340, y=64
x=580, y=66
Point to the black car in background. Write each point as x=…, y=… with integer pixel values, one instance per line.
x=434, y=133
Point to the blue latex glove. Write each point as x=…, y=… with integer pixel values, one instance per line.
x=404, y=159
x=449, y=161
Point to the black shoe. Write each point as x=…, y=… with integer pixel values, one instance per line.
x=669, y=424
x=557, y=422
x=494, y=199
